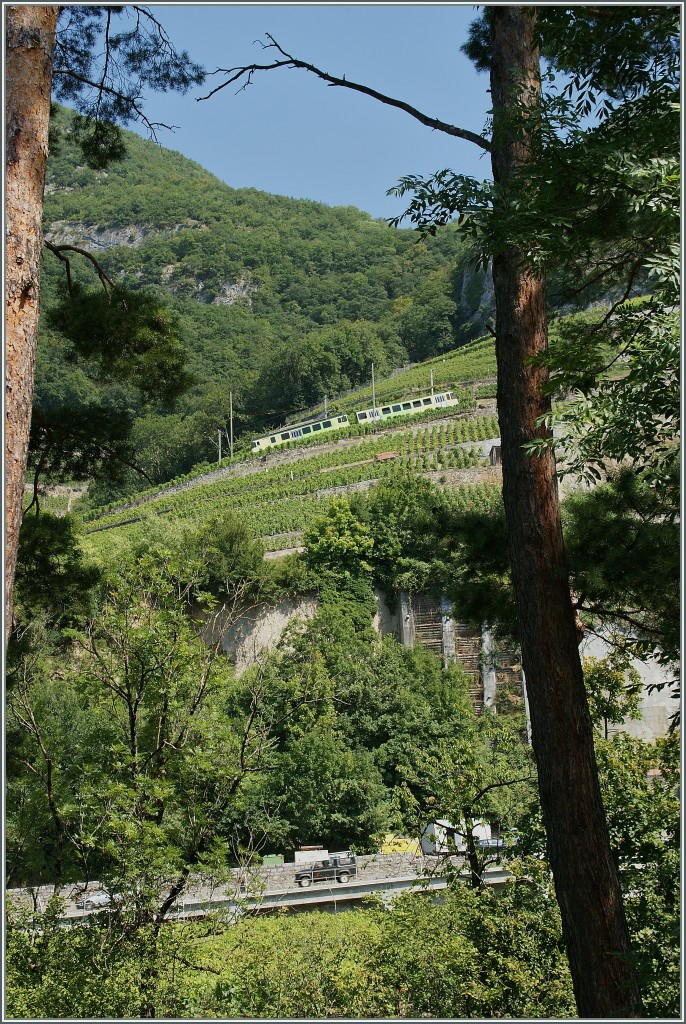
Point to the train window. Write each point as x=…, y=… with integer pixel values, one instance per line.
x=254, y=444
x=362, y=415
x=342, y=419
x=273, y=440
x=285, y=436
x=396, y=408
x=451, y=396
x=326, y=423
x=316, y=426
x=307, y=430
x=417, y=402
x=427, y=401
x=385, y=411
x=407, y=405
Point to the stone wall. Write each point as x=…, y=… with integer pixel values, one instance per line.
x=370, y=867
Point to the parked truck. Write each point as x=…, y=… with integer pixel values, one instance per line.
x=338, y=867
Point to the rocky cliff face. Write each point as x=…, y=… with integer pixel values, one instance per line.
x=98, y=239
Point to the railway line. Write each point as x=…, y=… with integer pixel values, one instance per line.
x=254, y=464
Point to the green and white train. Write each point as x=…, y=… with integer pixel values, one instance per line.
x=297, y=431
x=406, y=408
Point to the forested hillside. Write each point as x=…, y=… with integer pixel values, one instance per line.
x=279, y=301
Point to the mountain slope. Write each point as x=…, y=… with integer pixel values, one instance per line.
x=279, y=301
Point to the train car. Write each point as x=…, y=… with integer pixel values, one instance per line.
x=298, y=431
x=407, y=407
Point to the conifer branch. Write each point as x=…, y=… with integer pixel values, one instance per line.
x=59, y=251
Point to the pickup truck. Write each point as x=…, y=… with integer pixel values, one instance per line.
x=339, y=867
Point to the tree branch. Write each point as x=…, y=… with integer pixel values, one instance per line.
x=59, y=251
x=500, y=785
x=60, y=432
x=608, y=14
x=247, y=72
x=36, y=479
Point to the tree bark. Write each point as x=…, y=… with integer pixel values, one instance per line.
x=586, y=882
x=30, y=41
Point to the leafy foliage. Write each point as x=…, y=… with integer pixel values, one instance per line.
x=623, y=555
x=641, y=785
x=53, y=576
x=614, y=690
x=598, y=207
x=339, y=542
x=476, y=955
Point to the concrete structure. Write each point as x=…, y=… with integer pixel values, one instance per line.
x=254, y=631
x=657, y=706
x=428, y=620
x=488, y=670
x=495, y=674
x=426, y=875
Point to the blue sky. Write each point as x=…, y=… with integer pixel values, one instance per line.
x=292, y=135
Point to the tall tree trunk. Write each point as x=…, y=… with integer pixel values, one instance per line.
x=30, y=41
x=593, y=920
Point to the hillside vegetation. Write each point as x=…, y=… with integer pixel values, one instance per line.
x=279, y=302
x=138, y=756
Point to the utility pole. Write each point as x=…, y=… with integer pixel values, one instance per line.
x=432, y=381
x=326, y=406
x=373, y=399
x=231, y=422
x=218, y=444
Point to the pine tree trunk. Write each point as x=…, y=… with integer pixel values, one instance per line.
x=30, y=41
x=593, y=920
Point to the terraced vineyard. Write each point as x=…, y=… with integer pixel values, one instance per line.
x=472, y=364
x=282, y=495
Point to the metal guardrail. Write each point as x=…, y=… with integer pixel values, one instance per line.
x=310, y=897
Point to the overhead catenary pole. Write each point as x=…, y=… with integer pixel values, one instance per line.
x=373, y=399
x=231, y=422
x=218, y=444
x=432, y=381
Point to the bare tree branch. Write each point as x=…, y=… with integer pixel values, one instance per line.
x=247, y=72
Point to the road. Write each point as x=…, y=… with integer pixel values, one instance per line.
x=206, y=899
